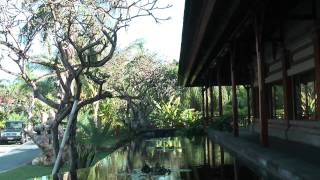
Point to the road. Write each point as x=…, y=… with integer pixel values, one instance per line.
x=13, y=156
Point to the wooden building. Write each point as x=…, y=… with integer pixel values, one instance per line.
x=271, y=46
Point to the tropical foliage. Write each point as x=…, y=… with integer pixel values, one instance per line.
x=172, y=114
x=91, y=133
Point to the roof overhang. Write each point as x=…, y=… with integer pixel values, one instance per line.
x=209, y=27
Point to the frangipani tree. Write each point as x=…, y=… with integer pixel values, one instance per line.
x=82, y=36
x=141, y=77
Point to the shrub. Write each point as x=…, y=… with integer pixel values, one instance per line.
x=90, y=132
x=222, y=123
x=172, y=114
x=86, y=154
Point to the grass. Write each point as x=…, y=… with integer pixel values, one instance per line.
x=30, y=171
x=26, y=172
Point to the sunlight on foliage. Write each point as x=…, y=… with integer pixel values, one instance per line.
x=172, y=114
x=91, y=132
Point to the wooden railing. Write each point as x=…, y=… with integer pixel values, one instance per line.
x=244, y=121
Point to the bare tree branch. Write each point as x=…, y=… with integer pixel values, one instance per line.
x=99, y=96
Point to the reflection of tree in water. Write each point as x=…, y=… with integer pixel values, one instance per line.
x=179, y=154
x=136, y=154
x=130, y=151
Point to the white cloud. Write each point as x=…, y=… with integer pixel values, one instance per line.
x=163, y=38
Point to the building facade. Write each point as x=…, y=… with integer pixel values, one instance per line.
x=271, y=46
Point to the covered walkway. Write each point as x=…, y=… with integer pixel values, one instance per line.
x=272, y=48
x=282, y=159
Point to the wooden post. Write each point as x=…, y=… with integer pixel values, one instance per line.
x=236, y=169
x=268, y=98
x=271, y=91
x=287, y=91
x=316, y=41
x=219, y=93
x=205, y=151
x=213, y=154
x=248, y=104
x=222, y=161
x=207, y=106
x=203, y=105
x=212, y=102
x=234, y=94
x=208, y=152
x=254, y=103
x=221, y=156
x=261, y=84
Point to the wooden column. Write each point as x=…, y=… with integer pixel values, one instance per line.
x=207, y=107
x=208, y=152
x=213, y=155
x=221, y=157
x=254, y=103
x=287, y=91
x=205, y=151
x=211, y=102
x=316, y=40
x=261, y=84
x=203, y=106
x=247, y=87
x=272, y=104
x=236, y=169
x=234, y=94
x=268, y=98
x=219, y=93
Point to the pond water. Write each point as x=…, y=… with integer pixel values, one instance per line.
x=172, y=158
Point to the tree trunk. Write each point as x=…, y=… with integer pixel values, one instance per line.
x=128, y=121
x=96, y=106
x=30, y=109
x=55, y=139
x=65, y=138
x=73, y=154
x=141, y=119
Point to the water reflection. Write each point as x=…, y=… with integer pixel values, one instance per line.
x=187, y=158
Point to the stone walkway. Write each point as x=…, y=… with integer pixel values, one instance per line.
x=281, y=160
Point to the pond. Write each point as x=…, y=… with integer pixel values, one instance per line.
x=170, y=158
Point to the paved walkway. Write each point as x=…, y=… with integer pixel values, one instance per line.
x=21, y=155
x=8, y=147
x=281, y=160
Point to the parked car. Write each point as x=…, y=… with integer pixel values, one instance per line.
x=13, y=131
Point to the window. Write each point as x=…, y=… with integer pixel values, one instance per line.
x=304, y=96
x=13, y=125
x=277, y=107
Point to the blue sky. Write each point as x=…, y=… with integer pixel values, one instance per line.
x=163, y=38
